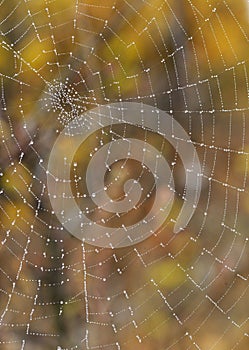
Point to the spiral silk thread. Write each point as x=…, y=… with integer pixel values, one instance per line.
x=75, y=219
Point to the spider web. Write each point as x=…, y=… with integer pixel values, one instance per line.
x=59, y=59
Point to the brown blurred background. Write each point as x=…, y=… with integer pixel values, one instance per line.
x=60, y=58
